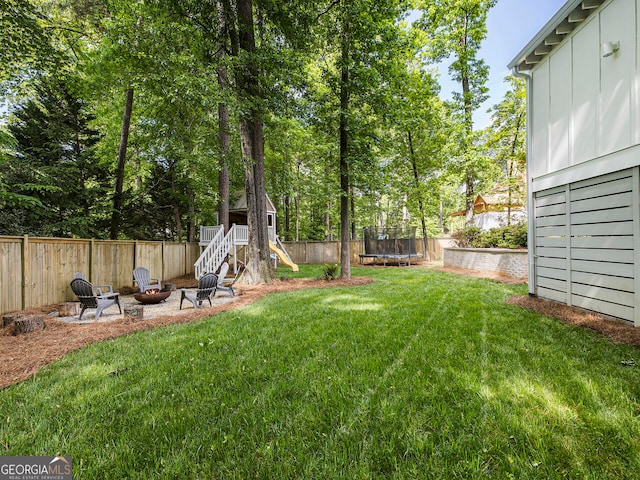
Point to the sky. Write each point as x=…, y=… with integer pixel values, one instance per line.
x=511, y=24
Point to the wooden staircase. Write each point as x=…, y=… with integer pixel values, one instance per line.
x=218, y=247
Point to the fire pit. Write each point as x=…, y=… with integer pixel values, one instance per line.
x=152, y=296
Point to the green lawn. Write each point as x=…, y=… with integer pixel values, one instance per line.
x=420, y=374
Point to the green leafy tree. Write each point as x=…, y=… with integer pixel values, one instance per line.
x=456, y=28
x=359, y=40
x=507, y=139
x=26, y=42
x=53, y=166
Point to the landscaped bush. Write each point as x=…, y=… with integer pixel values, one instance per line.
x=510, y=236
x=330, y=271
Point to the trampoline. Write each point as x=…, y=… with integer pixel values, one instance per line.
x=390, y=244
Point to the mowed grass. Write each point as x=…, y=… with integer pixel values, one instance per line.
x=421, y=374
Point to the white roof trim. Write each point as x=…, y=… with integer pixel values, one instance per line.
x=561, y=24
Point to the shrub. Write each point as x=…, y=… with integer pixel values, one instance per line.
x=467, y=237
x=510, y=236
x=330, y=272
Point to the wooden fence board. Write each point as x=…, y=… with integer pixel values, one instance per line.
x=112, y=263
x=43, y=277
x=609, y=228
x=619, y=200
x=599, y=216
x=618, y=311
x=552, y=231
x=597, y=255
x=550, y=210
x=602, y=189
x=552, y=294
x=11, y=274
x=149, y=255
x=551, y=221
x=557, y=273
x=623, y=242
x=546, y=200
x=604, y=268
x=606, y=281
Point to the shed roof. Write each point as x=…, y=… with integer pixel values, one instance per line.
x=570, y=15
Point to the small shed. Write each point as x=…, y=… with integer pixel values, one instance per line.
x=583, y=156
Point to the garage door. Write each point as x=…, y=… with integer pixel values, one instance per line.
x=585, y=244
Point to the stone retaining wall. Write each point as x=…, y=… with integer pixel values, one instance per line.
x=513, y=263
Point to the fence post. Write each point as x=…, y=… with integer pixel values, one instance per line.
x=91, y=259
x=26, y=275
x=162, y=257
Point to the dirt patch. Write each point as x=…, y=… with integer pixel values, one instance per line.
x=24, y=355
x=618, y=331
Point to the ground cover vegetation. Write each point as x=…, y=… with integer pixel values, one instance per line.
x=421, y=374
x=134, y=120
x=508, y=236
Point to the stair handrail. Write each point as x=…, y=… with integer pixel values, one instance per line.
x=205, y=257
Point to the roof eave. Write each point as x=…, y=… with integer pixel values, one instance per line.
x=550, y=35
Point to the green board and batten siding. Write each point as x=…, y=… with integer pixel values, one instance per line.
x=587, y=236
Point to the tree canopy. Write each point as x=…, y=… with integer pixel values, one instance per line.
x=136, y=119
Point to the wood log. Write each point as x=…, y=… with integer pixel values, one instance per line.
x=69, y=309
x=9, y=318
x=135, y=312
x=28, y=324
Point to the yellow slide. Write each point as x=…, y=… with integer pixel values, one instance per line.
x=283, y=257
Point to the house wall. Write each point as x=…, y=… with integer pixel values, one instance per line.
x=586, y=106
x=583, y=166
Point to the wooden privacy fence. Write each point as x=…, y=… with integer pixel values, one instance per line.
x=329, y=252
x=37, y=271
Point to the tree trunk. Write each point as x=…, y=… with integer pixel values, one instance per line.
x=468, y=118
x=469, y=199
x=177, y=214
x=352, y=214
x=510, y=167
x=416, y=180
x=192, y=214
x=223, y=130
x=258, y=269
x=287, y=217
x=345, y=251
x=297, y=207
x=122, y=156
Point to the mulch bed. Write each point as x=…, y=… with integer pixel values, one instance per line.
x=23, y=356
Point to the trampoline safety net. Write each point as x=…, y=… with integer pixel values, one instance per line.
x=390, y=241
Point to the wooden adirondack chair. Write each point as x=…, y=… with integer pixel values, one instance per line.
x=88, y=298
x=99, y=289
x=207, y=286
x=142, y=278
x=224, y=268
